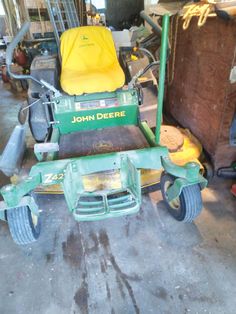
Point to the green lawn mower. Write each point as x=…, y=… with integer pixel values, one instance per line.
x=88, y=127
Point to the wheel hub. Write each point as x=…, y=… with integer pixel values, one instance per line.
x=175, y=203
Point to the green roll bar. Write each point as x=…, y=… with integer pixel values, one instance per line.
x=162, y=72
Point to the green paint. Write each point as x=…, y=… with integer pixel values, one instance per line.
x=77, y=113
x=147, y=158
x=73, y=103
x=82, y=204
x=187, y=175
x=147, y=132
x=85, y=120
x=55, y=138
x=162, y=72
x=102, y=110
x=13, y=194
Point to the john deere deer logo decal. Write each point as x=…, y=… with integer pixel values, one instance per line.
x=83, y=37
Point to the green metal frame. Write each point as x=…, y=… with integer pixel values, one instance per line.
x=69, y=116
x=162, y=72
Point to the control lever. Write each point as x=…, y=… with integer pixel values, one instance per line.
x=140, y=73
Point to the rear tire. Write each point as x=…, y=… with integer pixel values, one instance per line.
x=39, y=120
x=188, y=205
x=208, y=171
x=24, y=226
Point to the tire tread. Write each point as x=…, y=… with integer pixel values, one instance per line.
x=21, y=228
x=190, y=201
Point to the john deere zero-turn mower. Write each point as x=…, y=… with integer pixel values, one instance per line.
x=91, y=105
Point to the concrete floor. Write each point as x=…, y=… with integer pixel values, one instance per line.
x=146, y=263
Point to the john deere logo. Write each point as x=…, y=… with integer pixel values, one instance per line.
x=103, y=146
x=84, y=37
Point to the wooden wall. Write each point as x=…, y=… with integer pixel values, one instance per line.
x=200, y=96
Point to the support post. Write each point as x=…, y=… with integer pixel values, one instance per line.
x=161, y=87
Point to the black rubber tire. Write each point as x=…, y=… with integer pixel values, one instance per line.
x=190, y=200
x=21, y=225
x=39, y=116
x=208, y=171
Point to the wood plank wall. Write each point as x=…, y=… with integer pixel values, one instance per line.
x=200, y=96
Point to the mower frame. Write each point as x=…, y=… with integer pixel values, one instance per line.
x=68, y=117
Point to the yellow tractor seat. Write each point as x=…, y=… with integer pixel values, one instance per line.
x=89, y=61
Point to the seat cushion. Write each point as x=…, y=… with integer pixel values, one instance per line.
x=89, y=61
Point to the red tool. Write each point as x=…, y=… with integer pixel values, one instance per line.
x=233, y=189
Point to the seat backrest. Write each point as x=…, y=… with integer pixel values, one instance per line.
x=87, y=48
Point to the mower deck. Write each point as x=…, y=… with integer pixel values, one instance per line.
x=124, y=138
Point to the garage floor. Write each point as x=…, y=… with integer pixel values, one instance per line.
x=147, y=263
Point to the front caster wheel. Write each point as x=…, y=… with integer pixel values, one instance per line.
x=23, y=224
x=188, y=205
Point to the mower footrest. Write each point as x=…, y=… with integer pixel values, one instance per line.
x=99, y=206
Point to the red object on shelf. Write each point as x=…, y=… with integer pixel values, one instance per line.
x=233, y=189
x=5, y=77
x=20, y=57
